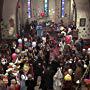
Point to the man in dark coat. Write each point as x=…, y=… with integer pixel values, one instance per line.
x=30, y=82
x=47, y=79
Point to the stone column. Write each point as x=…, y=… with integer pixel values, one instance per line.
x=22, y=4
x=32, y=9
x=52, y=10
x=71, y=10
x=1, y=9
x=57, y=10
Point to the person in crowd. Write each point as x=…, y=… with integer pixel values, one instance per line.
x=59, y=62
x=30, y=82
x=39, y=30
x=47, y=79
x=57, y=84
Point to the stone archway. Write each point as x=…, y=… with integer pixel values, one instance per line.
x=1, y=9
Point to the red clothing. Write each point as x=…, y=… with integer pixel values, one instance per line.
x=68, y=39
x=14, y=87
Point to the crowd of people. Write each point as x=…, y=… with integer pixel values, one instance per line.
x=57, y=56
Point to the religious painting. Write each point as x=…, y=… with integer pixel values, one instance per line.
x=8, y=29
x=82, y=22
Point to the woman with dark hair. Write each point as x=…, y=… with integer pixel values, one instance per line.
x=30, y=82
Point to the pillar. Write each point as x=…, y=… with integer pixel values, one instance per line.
x=57, y=10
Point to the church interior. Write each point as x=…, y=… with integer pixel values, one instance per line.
x=44, y=44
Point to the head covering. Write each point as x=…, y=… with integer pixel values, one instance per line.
x=25, y=39
x=33, y=44
x=84, y=49
x=26, y=67
x=77, y=82
x=67, y=77
x=70, y=71
x=62, y=28
x=64, y=33
x=88, y=51
x=17, y=50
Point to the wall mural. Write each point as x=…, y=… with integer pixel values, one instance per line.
x=8, y=29
x=11, y=27
x=8, y=24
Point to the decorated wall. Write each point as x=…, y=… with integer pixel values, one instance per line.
x=9, y=18
x=83, y=18
x=54, y=8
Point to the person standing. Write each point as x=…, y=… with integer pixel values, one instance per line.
x=39, y=30
x=57, y=84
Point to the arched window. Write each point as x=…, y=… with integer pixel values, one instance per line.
x=62, y=8
x=29, y=8
x=46, y=3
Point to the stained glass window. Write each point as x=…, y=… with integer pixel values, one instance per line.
x=46, y=7
x=62, y=8
x=29, y=8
